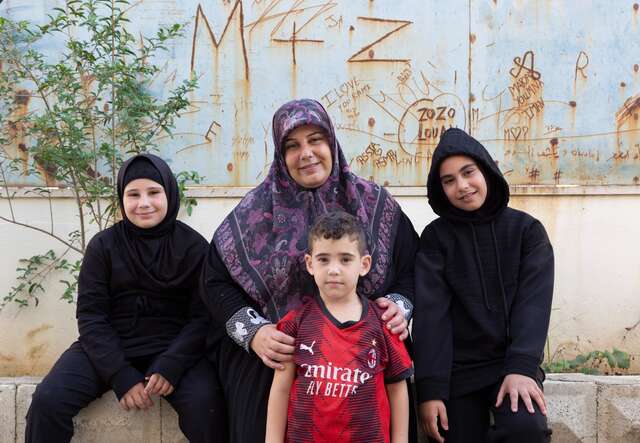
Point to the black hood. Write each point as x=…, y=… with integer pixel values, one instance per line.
x=457, y=142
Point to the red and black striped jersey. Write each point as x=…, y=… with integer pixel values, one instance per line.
x=339, y=394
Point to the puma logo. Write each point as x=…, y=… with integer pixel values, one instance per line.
x=304, y=347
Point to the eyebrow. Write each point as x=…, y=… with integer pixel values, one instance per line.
x=461, y=169
x=150, y=188
x=342, y=254
x=309, y=135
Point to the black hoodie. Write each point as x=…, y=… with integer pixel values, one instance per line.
x=484, y=282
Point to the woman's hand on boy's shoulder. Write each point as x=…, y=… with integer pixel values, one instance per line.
x=273, y=346
x=523, y=387
x=393, y=317
x=430, y=412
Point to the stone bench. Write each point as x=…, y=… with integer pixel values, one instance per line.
x=590, y=409
x=103, y=421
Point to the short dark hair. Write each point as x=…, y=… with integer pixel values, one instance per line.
x=335, y=225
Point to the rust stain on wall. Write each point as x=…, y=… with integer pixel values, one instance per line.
x=236, y=15
x=32, y=333
x=366, y=62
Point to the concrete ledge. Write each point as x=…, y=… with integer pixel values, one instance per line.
x=103, y=421
x=582, y=408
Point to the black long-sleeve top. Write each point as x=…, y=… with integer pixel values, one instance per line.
x=119, y=318
x=460, y=339
x=484, y=284
x=227, y=302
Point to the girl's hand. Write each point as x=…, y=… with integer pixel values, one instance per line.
x=272, y=346
x=430, y=411
x=136, y=398
x=158, y=385
x=396, y=323
x=521, y=386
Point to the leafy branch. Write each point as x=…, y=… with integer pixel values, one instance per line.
x=69, y=120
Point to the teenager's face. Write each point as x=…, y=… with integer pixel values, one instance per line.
x=145, y=203
x=463, y=182
x=336, y=266
x=308, y=156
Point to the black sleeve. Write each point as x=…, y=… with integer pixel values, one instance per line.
x=97, y=337
x=432, y=326
x=531, y=309
x=404, y=253
x=188, y=347
x=229, y=306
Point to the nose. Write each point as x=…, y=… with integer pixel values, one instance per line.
x=306, y=151
x=144, y=201
x=462, y=183
x=334, y=269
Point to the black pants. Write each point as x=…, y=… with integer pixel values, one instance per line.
x=73, y=383
x=469, y=420
x=246, y=383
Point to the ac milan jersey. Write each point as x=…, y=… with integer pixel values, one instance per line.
x=338, y=394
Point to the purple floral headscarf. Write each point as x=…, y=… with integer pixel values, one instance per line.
x=263, y=240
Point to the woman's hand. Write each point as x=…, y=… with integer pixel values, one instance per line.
x=136, y=398
x=430, y=411
x=396, y=323
x=272, y=346
x=158, y=385
x=521, y=386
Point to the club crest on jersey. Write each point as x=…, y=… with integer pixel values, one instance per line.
x=372, y=358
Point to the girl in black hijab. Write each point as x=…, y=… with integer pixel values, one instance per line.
x=142, y=324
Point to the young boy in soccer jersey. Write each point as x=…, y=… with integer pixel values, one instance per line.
x=347, y=379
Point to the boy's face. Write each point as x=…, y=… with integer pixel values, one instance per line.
x=463, y=182
x=336, y=266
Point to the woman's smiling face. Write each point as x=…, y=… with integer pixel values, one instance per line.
x=307, y=156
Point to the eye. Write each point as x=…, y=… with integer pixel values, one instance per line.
x=315, y=140
x=468, y=172
x=346, y=260
x=446, y=181
x=323, y=260
x=290, y=145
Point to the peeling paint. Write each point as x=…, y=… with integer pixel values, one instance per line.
x=513, y=74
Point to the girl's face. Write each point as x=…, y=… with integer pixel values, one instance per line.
x=145, y=203
x=463, y=182
x=307, y=156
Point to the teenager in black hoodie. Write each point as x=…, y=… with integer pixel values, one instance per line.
x=484, y=282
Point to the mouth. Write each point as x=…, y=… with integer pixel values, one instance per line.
x=309, y=168
x=468, y=196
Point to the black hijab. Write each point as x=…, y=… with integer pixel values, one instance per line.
x=167, y=256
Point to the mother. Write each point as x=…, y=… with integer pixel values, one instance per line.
x=255, y=273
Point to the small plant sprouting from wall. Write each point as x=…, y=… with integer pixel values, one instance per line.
x=71, y=118
x=594, y=363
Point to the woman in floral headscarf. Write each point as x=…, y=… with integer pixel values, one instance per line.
x=255, y=272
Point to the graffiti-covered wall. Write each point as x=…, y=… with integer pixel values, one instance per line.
x=552, y=88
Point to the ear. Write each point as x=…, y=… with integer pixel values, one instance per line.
x=308, y=262
x=365, y=265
